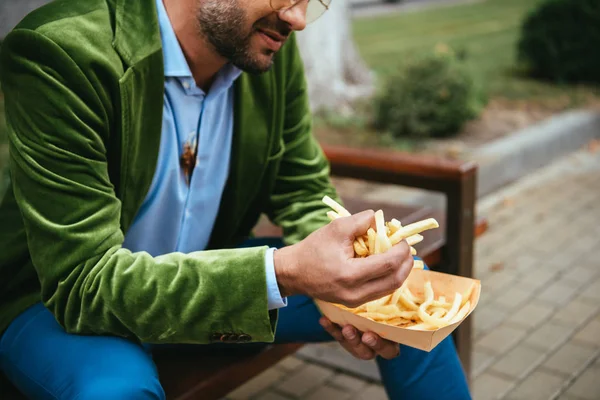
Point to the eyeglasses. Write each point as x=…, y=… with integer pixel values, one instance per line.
x=314, y=9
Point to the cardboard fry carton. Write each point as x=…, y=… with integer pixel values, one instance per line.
x=443, y=285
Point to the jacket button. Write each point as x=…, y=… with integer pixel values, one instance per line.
x=215, y=337
x=245, y=338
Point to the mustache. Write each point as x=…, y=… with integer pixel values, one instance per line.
x=275, y=25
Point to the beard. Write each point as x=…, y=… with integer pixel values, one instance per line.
x=225, y=26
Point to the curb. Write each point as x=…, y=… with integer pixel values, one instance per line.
x=506, y=160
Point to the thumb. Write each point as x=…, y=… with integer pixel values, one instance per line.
x=357, y=224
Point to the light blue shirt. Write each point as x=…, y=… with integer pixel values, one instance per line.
x=176, y=216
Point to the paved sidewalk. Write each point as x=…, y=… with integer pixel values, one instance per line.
x=537, y=327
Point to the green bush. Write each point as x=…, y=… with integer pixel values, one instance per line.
x=560, y=41
x=430, y=96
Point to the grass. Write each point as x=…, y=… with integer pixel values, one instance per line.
x=487, y=32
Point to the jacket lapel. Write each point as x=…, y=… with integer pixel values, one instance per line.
x=137, y=40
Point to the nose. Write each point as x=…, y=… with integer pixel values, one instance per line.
x=295, y=16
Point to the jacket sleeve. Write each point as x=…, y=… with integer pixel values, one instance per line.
x=303, y=179
x=58, y=129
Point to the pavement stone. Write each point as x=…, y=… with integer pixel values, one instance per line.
x=480, y=360
x=348, y=383
x=257, y=384
x=587, y=386
x=490, y=387
x=501, y=338
x=540, y=385
x=512, y=298
x=549, y=336
x=290, y=363
x=518, y=361
x=576, y=312
x=559, y=292
x=328, y=393
x=569, y=358
x=532, y=314
x=304, y=380
x=372, y=392
x=271, y=395
x=590, y=333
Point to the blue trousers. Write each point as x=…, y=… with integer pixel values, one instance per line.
x=45, y=362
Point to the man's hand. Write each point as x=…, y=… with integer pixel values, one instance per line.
x=323, y=265
x=361, y=345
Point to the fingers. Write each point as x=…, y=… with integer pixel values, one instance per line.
x=332, y=329
x=396, y=260
x=353, y=339
x=350, y=339
x=356, y=224
x=382, y=347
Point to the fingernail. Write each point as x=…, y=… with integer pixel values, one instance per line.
x=370, y=341
x=349, y=334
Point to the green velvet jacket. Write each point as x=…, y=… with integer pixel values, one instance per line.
x=83, y=83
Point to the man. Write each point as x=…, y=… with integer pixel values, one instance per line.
x=146, y=138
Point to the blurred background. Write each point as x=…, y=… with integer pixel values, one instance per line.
x=513, y=85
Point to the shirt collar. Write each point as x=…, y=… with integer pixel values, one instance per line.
x=174, y=61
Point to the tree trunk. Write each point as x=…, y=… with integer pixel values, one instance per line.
x=336, y=74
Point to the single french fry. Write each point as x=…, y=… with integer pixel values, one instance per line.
x=454, y=310
x=422, y=327
x=382, y=243
x=414, y=239
x=407, y=303
x=394, y=225
x=376, y=316
x=361, y=241
x=438, y=311
x=371, y=241
x=413, y=251
x=336, y=206
x=333, y=215
x=360, y=250
x=382, y=301
x=442, y=304
x=461, y=314
x=422, y=311
x=389, y=309
x=411, y=296
x=418, y=264
x=413, y=229
x=467, y=294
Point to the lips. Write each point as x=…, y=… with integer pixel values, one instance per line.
x=273, y=40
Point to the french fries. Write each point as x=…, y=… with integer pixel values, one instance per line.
x=403, y=308
x=386, y=234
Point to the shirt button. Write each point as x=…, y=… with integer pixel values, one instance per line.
x=186, y=84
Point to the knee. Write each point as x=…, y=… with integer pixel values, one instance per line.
x=121, y=389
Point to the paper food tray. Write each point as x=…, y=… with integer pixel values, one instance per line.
x=443, y=285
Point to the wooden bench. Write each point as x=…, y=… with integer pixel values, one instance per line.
x=206, y=373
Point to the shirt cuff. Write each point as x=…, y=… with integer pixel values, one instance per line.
x=273, y=295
